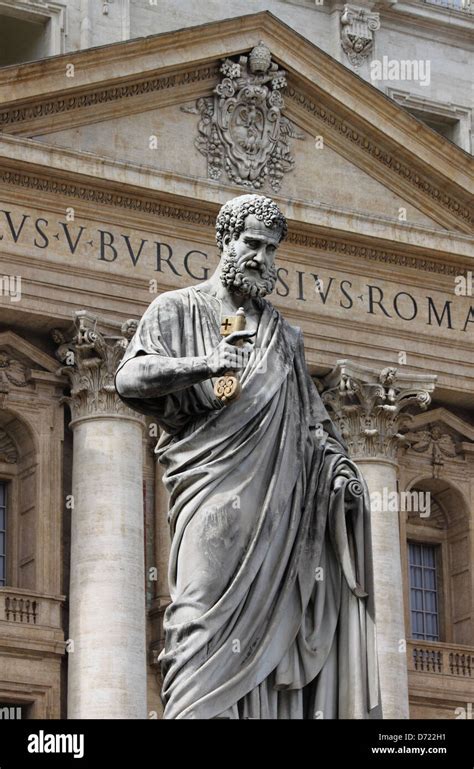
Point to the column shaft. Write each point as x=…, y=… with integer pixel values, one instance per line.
x=107, y=634
x=107, y=597
x=388, y=585
x=370, y=408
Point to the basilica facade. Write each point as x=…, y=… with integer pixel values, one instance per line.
x=125, y=125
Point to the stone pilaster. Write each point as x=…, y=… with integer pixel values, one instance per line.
x=107, y=659
x=369, y=407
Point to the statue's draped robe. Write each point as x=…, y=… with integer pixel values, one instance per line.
x=270, y=568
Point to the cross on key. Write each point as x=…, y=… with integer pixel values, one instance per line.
x=227, y=326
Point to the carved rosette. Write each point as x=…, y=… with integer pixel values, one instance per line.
x=90, y=360
x=369, y=406
x=242, y=130
x=357, y=28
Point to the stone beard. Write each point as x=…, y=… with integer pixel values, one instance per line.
x=270, y=573
x=233, y=276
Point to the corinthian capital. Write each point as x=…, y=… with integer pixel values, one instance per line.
x=89, y=360
x=370, y=406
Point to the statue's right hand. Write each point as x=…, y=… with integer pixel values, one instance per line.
x=227, y=357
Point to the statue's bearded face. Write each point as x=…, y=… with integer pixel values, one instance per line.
x=248, y=262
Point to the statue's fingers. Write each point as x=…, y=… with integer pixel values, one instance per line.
x=236, y=362
x=237, y=335
x=234, y=353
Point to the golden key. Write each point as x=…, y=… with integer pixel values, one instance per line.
x=228, y=388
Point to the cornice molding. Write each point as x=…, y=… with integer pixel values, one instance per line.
x=445, y=417
x=444, y=23
x=367, y=253
x=29, y=353
x=96, y=195
x=138, y=56
x=33, y=110
x=180, y=213
x=459, y=209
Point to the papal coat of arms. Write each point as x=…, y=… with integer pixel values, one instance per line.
x=242, y=129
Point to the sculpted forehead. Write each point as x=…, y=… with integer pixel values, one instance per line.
x=256, y=228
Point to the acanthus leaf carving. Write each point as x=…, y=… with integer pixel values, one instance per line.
x=369, y=406
x=91, y=359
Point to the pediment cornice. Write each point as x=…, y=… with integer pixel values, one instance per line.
x=446, y=419
x=26, y=353
x=104, y=101
x=357, y=120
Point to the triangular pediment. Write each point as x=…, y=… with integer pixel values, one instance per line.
x=18, y=357
x=142, y=104
x=443, y=422
x=440, y=436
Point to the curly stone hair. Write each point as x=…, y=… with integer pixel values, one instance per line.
x=231, y=218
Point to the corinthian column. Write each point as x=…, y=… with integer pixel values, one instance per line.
x=107, y=662
x=369, y=407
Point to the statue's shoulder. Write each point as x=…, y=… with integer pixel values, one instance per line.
x=294, y=336
x=170, y=301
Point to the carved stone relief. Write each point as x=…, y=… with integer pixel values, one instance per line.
x=242, y=130
x=357, y=28
x=91, y=359
x=435, y=442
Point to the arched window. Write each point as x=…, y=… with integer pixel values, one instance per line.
x=18, y=503
x=438, y=565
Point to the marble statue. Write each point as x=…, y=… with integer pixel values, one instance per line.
x=270, y=574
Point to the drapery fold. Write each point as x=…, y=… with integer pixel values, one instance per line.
x=270, y=573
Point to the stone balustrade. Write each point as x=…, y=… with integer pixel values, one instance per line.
x=29, y=607
x=21, y=609
x=441, y=658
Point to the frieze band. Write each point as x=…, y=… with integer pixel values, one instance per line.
x=89, y=194
x=114, y=93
